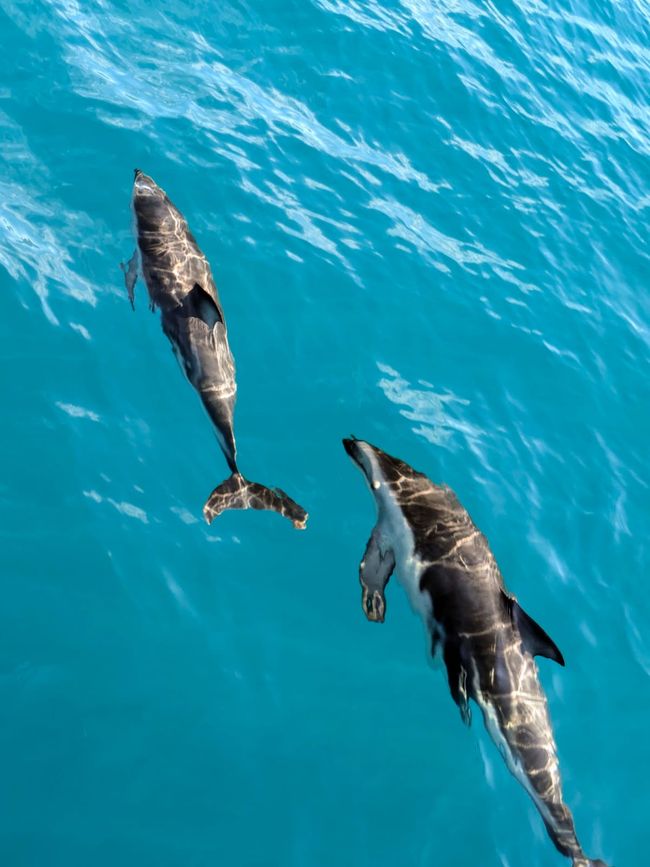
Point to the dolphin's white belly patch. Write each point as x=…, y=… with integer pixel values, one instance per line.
x=409, y=573
x=398, y=535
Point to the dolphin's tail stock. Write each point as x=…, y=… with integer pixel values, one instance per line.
x=588, y=862
x=238, y=493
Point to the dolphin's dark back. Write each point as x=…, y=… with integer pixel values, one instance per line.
x=171, y=260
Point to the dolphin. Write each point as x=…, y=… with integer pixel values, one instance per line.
x=487, y=641
x=180, y=283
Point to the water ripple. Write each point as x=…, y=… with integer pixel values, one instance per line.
x=439, y=415
x=39, y=238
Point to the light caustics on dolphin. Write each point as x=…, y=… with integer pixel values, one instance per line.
x=488, y=642
x=180, y=284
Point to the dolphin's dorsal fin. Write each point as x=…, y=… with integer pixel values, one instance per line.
x=200, y=303
x=534, y=639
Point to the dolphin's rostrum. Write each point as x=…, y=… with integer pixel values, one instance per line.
x=487, y=640
x=180, y=284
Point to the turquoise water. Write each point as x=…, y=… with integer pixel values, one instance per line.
x=428, y=224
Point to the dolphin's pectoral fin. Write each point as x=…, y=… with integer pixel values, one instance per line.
x=465, y=709
x=436, y=639
x=130, y=271
x=457, y=676
x=534, y=639
x=374, y=571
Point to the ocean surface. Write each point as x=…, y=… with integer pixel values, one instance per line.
x=428, y=222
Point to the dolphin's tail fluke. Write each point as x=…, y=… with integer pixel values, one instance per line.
x=238, y=493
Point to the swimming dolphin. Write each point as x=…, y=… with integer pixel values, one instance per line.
x=488, y=642
x=180, y=283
